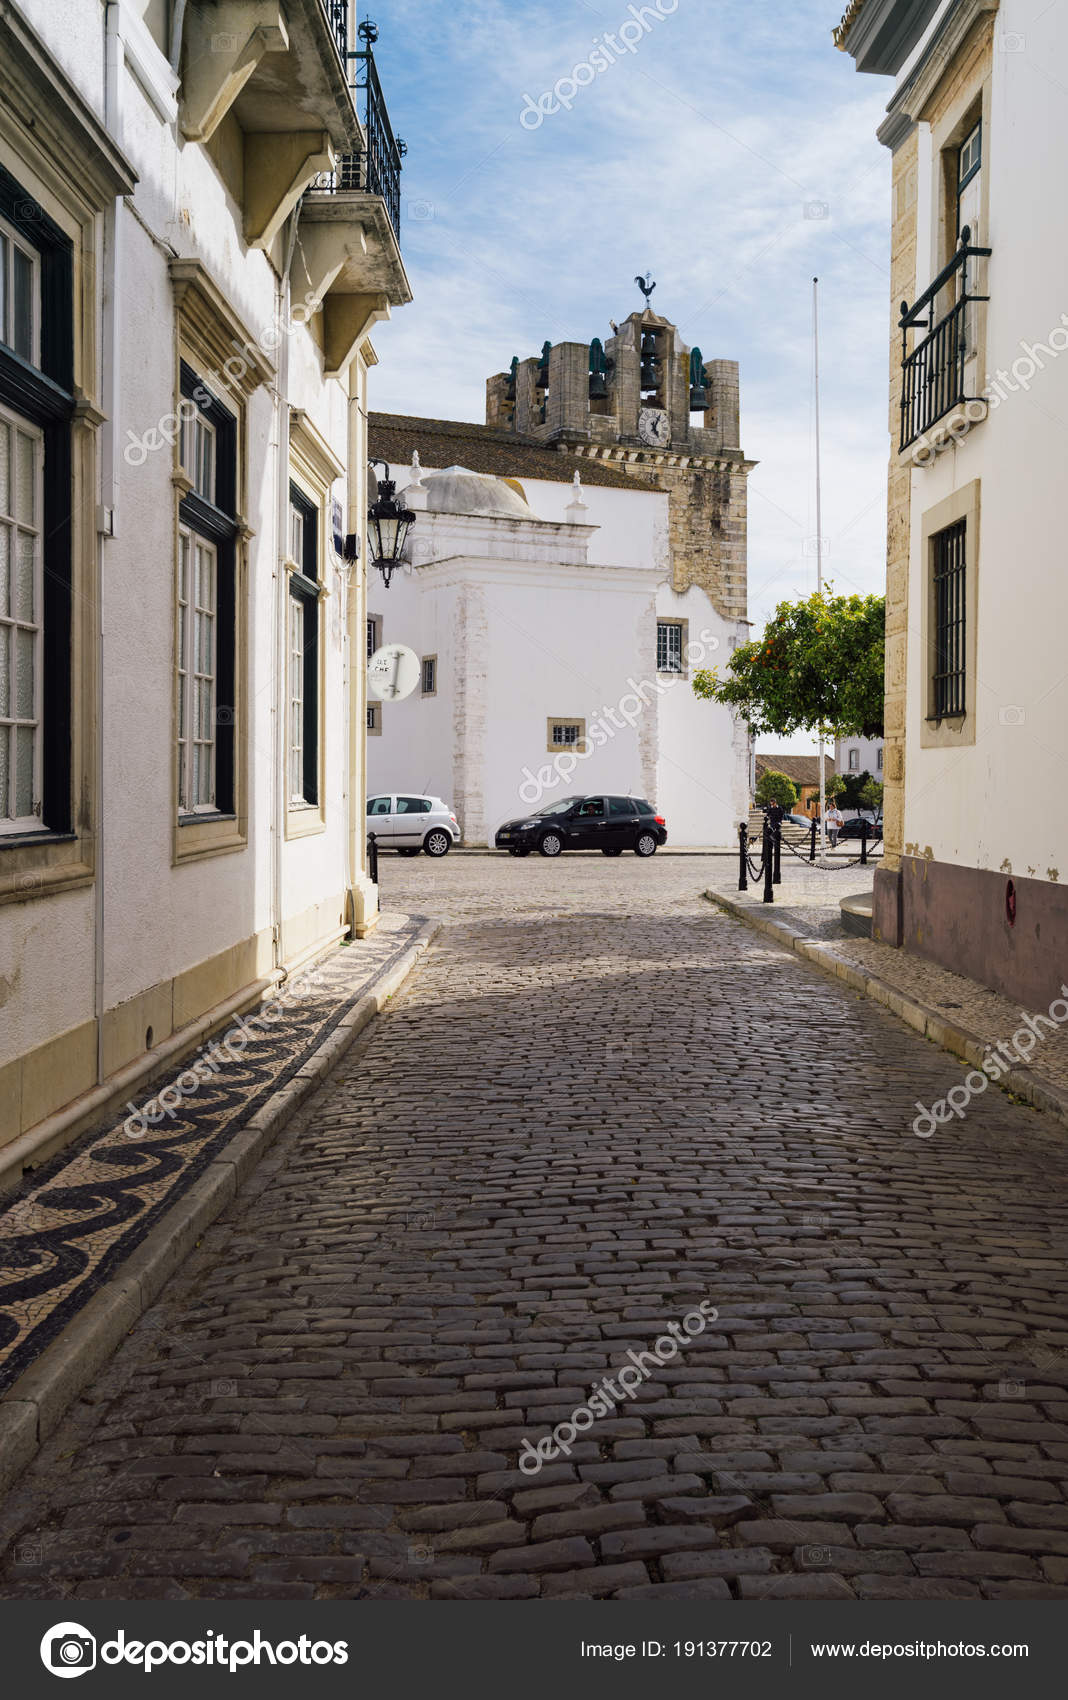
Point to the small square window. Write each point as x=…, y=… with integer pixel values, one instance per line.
x=566, y=735
x=374, y=718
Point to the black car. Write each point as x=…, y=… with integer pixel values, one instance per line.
x=597, y=822
x=854, y=828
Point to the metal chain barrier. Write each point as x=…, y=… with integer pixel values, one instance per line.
x=772, y=842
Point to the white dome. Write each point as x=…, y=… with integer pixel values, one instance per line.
x=459, y=491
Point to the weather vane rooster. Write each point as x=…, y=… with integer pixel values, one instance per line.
x=646, y=285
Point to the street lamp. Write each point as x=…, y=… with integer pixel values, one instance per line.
x=389, y=523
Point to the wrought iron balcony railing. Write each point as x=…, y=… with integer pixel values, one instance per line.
x=338, y=12
x=376, y=169
x=933, y=370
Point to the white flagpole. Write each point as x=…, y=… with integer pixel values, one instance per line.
x=819, y=524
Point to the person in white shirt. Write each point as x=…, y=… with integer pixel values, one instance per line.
x=833, y=820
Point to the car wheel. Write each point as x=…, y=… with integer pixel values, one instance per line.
x=617, y=851
x=551, y=844
x=645, y=844
x=437, y=843
x=408, y=850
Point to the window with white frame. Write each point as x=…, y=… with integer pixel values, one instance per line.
x=20, y=295
x=21, y=634
x=854, y=761
x=206, y=611
x=198, y=601
x=668, y=646
x=37, y=592
x=429, y=675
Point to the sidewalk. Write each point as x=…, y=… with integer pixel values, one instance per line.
x=90, y=1237
x=959, y=1014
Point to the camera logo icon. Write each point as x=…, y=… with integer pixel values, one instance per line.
x=68, y=1649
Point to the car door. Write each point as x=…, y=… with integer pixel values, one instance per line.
x=623, y=823
x=409, y=820
x=591, y=824
x=380, y=820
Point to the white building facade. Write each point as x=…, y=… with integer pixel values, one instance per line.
x=977, y=600
x=555, y=657
x=194, y=255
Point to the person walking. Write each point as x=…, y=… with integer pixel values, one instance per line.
x=833, y=821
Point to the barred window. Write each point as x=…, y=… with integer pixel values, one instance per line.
x=949, y=678
x=567, y=733
x=668, y=646
x=430, y=675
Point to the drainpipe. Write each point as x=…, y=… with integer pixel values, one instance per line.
x=177, y=22
x=106, y=521
x=279, y=788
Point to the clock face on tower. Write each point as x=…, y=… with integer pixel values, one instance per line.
x=654, y=427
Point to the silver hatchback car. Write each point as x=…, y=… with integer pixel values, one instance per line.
x=409, y=823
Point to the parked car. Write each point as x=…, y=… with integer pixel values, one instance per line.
x=595, y=822
x=408, y=823
x=852, y=828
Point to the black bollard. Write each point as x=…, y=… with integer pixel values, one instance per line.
x=812, y=844
x=372, y=858
x=743, y=852
x=777, y=842
x=863, y=842
x=769, y=890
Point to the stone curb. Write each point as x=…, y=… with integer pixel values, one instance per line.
x=34, y=1404
x=971, y=1047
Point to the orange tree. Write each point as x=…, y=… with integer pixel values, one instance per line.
x=819, y=663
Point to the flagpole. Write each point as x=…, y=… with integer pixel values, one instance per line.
x=819, y=525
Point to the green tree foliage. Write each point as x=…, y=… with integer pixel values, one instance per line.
x=853, y=789
x=833, y=786
x=774, y=787
x=871, y=796
x=819, y=663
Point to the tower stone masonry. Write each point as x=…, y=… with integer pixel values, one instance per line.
x=654, y=409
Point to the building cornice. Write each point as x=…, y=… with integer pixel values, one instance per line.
x=879, y=35
x=51, y=111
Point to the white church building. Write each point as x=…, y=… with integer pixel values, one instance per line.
x=565, y=580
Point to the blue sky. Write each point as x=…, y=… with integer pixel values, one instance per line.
x=733, y=153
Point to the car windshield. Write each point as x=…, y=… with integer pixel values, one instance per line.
x=560, y=807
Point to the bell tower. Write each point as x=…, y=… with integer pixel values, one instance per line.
x=646, y=401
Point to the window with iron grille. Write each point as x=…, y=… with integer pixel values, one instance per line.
x=374, y=626
x=374, y=717
x=949, y=677
x=566, y=734
x=668, y=646
x=430, y=675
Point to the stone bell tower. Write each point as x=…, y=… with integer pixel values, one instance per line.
x=659, y=411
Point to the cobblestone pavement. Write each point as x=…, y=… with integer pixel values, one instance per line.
x=808, y=897
x=598, y=1105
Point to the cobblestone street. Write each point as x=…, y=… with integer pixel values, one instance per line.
x=598, y=1104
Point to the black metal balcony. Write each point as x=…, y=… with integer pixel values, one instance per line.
x=933, y=370
x=338, y=13
x=376, y=169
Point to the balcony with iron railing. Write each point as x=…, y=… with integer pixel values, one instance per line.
x=934, y=370
x=376, y=168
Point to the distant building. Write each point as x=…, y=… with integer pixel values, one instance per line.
x=859, y=755
x=559, y=625
x=805, y=773
x=977, y=606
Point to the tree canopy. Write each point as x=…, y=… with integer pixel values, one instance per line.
x=775, y=787
x=819, y=663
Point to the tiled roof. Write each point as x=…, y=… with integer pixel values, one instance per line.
x=484, y=448
x=803, y=770
x=849, y=18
